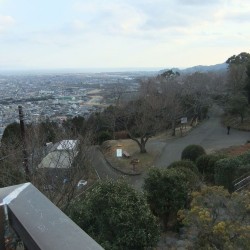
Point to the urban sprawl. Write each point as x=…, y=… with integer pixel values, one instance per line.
x=59, y=96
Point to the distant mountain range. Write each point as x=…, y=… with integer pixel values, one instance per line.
x=200, y=68
x=137, y=71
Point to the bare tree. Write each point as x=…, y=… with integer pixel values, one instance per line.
x=140, y=121
x=217, y=84
x=117, y=94
x=56, y=168
x=170, y=98
x=148, y=87
x=196, y=96
x=164, y=94
x=11, y=169
x=60, y=171
x=54, y=171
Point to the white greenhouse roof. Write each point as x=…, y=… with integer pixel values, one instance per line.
x=67, y=145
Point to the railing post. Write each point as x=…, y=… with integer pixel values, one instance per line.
x=2, y=229
x=38, y=222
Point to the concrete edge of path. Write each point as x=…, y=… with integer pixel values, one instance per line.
x=116, y=169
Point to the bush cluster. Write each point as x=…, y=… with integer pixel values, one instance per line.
x=229, y=169
x=192, y=152
x=116, y=216
x=206, y=165
x=104, y=136
x=184, y=164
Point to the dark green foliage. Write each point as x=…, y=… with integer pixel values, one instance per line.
x=10, y=175
x=244, y=158
x=95, y=122
x=12, y=135
x=225, y=172
x=75, y=126
x=229, y=169
x=169, y=74
x=104, y=136
x=49, y=131
x=238, y=73
x=204, y=111
x=11, y=169
x=242, y=170
x=166, y=193
x=247, y=83
x=116, y=216
x=192, y=152
x=237, y=105
x=189, y=172
x=206, y=165
x=184, y=164
x=102, y=125
x=242, y=58
x=191, y=179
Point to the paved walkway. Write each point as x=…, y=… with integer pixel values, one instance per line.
x=101, y=166
x=210, y=134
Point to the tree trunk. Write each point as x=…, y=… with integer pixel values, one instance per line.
x=164, y=221
x=143, y=148
x=241, y=118
x=141, y=144
x=173, y=127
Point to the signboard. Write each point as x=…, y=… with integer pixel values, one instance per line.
x=119, y=152
x=183, y=120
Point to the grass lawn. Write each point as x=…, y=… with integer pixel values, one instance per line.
x=124, y=164
x=146, y=160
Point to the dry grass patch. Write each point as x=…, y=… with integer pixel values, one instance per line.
x=145, y=160
x=235, y=150
x=124, y=164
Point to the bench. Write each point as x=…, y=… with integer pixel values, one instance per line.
x=125, y=154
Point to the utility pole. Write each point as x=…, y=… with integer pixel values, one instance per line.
x=25, y=154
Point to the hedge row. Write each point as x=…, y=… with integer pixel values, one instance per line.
x=229, y=169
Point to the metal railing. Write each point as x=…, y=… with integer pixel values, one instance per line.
x=242, y=182
x=38, y=222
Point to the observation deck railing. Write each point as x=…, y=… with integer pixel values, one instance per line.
x=38, y=222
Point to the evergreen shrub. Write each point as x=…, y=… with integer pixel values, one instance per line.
x=184, y=164
x=206, y=164
x=192, y=152
x=229, y=169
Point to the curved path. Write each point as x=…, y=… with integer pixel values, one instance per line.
x=101, y=166
x=210, y=134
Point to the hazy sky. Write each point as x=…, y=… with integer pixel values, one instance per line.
x=121, y=33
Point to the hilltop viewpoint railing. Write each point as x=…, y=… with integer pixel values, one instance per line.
x=38, y=223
